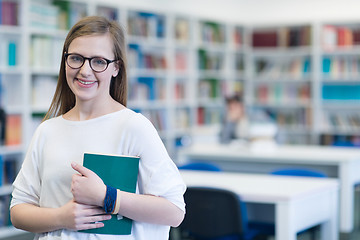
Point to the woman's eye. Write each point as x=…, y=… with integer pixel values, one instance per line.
x=99, y=61
x=76, y=58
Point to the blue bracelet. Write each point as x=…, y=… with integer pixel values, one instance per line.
x=110, y=199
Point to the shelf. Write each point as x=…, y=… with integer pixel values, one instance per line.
x=10, y=150
x=282, y=52
x=10, y=30
x=7, y=232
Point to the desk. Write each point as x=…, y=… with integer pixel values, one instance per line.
x=340, y=162
x=300, y=203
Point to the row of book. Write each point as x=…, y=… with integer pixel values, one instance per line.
x=182, y=119
x=181, y=61
x=140, y=58
x=143, y=89
x=291, y=118
x=5, y=210
x=297, y=68
x=10, y=128
x=283, y=37
x=216, y=89
x=9, y=13
x=208, y=60
x=238, y=37
x=157, y=118
x=343, y=140
x=70, y=12
x=149, y=25
x=180, y=89
x=340, y=36
x=8, y=52
x=345, y=121
x=58, y=14
x=46, y=52
x=341, y=67
x=209, y=88
x=8, y=169
x=212, y=32
x=346, y=92
x=208, y=116
x=108, y=12
x=239, y=62
x=182, y=30
x=282, y=93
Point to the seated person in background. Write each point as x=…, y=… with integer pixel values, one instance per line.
x=235, y=123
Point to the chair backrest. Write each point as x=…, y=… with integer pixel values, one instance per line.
x=212, y=213
x=298, y=172
x=202, y=166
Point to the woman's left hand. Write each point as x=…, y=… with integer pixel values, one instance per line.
x=87, y=187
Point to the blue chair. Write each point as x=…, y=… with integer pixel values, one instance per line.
x=303, y=172
x=201, y=166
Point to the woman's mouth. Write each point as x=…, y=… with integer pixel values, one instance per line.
x=84, y=83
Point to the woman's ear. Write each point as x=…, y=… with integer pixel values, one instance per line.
x=116, y=69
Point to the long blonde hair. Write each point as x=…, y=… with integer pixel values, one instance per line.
x=64, y=98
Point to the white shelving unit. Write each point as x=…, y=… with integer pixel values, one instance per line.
x=282, y=79
x=340, y=82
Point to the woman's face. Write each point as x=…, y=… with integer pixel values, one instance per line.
x=86, y=84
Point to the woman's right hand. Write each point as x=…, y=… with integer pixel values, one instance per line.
x=76, y=216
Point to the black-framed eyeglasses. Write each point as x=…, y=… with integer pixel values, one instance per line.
x=97, y=64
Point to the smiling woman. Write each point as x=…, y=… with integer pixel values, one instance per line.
x=88, y=114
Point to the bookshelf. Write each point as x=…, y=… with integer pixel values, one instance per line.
x=340, y=85
x=282, y=79
x=12, y=101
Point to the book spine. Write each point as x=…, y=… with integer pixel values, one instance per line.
x=13, y=130
x=9, y=170
x=12, y=53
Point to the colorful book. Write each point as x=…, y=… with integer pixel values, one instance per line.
x=13, y=131
x=12, y=54
x=120, y=172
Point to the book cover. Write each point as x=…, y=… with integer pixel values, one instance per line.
x=120, y=172
x=13, y=129
x=12, y=54
x=265, y=39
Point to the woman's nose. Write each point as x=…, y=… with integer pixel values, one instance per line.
x=86, y=69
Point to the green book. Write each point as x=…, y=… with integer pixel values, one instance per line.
x=120, y=172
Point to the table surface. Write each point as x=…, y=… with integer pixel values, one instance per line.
x=297, y=153
x=259, y=187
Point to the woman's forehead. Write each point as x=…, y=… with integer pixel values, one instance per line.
x=92, y=45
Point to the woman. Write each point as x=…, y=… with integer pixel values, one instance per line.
x=54, y=195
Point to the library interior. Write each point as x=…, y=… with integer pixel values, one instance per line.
x=293, y=66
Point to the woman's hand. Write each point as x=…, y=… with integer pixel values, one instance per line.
x=87, y=187
x=75, y=216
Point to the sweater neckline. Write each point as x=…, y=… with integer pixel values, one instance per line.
x=105, y=116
